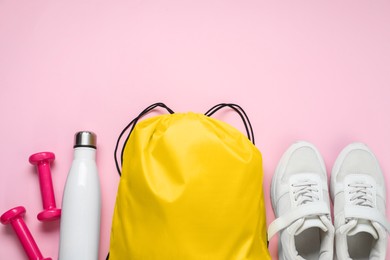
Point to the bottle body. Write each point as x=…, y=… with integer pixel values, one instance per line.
x=81, y=208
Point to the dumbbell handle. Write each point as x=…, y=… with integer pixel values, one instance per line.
x=26, y=239
x=46, y=185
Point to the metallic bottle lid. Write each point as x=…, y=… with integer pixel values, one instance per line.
x=85, y=139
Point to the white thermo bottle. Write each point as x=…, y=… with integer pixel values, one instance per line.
x=81, y=203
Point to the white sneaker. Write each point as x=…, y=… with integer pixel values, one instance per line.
x=359, y=196
x=300, y=200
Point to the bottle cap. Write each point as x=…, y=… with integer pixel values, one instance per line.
x=85, y=139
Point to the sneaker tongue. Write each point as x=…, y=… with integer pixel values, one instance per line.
x=363, y=225
x=310, y=222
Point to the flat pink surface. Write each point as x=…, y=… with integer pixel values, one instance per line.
x=303, y=70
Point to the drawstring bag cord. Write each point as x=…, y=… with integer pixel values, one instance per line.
x=132, y=125
x=240, y=111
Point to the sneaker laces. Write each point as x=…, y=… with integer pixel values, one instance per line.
x=361, y=205
x=307, y=197
x=361, y=195
x=305, y=192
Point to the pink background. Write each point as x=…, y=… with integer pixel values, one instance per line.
x=312, y=70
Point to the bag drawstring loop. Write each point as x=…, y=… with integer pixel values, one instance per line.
x=132, y=125
x=241, y=112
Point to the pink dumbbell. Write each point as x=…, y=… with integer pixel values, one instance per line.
x=15, y=218
x=42, y=161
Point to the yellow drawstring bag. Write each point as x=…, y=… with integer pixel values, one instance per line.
x=190, y=188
